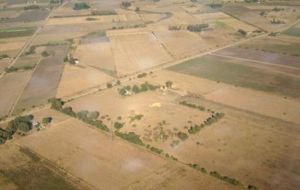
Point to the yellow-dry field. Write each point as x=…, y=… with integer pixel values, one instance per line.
x=136, y=52
x=101, y=161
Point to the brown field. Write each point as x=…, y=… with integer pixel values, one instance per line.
x=103, y=162
x=245, y=99
x=12, y=85
x=45, y=79
x=148, y=52
x=245, y=127
x=97, y=54
x=71, y=83
x=12, y=46
x=190, y=43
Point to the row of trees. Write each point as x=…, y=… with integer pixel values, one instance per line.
x=197, y=27
x=127, y=90
x=84, y=115
x=21, y=123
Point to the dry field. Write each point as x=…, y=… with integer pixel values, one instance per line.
x=11, y=86
x=241, y=98
x=97, y=53
x=266, y=133
x=76, y=79
x=11, y=46
x=101, y=161
x=182, y=43
x=148, y=52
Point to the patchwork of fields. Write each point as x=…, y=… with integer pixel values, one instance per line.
x=149, y=95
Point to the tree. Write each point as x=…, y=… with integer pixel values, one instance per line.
x=93, y=115
x=126, y=4
x=81, y=5
x=45, y=54
x=169, y=84
x=56, y=103
x=46, y=120
x=108, y=85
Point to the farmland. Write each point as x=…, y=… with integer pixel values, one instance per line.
x=156, y=94
x=230, y=71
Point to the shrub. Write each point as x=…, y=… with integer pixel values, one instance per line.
x=56, y=103
x=156, y=150
x=142, y=75
x=183, y=136
x=225, y=178
x=131, y=137
x=30, y=7
x=69, y=111
x=108, y=85
x=118, y=125
x=197, y=27
x=252, y=187
x=3, y=56
x=80, y=6
x=126, y=4
x=11, y=69
x=45, y=54
x=169, y=84
x=93, y=115
x=46, y=120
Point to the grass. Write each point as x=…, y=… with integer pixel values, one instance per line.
x=224, y=70
x=17, y=32
x=294, y=31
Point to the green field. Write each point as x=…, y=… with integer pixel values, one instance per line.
x=274, y=46
x=294, y=31
x=17, y=32
x=225, y=70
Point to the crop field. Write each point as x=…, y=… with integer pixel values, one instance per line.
x=9, y=95
x=62, y=32
x=103, y=162
x=96, y=53
x=29, y=16
x=229, y=71
x=70, y=83
x=263, y=56
x=16, y=32
x=27, y=61
x=275, y=45
x=221, y=17
x=148, y=52
x=45, y=79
